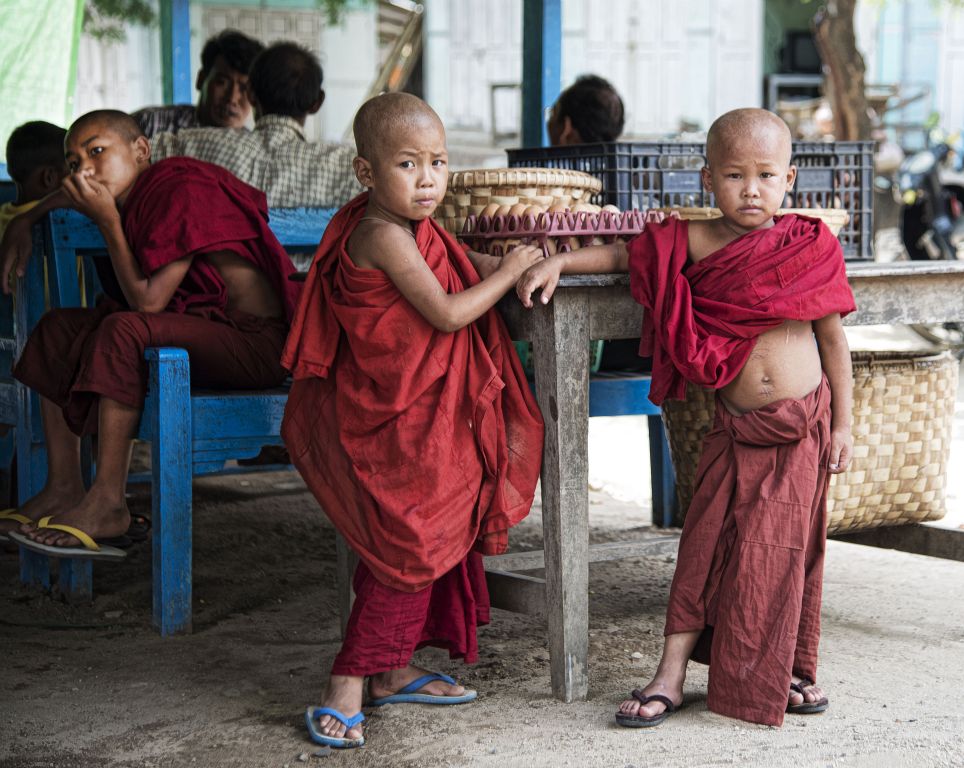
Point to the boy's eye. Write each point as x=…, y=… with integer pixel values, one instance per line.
x=733, y=176
x=94, y=151
x=72, y=166
x=767, y=175
x=407, y=164
x=438, y=163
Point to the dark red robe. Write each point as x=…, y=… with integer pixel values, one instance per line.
x=422, y=447
x=750, y=564
x=177, y=207
x=703, y=319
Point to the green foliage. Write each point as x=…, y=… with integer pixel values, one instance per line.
x=106, y=19
x=335, y=8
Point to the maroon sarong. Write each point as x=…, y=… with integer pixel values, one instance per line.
x=750, y=567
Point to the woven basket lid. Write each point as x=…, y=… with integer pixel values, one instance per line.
x=523, y=177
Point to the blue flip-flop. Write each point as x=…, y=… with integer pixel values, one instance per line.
x=408, y=695
x=313, y=713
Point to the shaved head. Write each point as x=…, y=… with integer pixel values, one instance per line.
x=758, y=127
x=119, y=122
x=381, y=117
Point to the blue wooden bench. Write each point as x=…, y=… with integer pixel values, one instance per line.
x=191, y=433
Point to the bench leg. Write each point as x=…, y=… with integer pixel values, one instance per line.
x=76, y=579
x=34, y=569
x=171, y=463
x=662, y=476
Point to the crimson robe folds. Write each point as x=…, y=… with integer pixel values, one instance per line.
x=419, y=445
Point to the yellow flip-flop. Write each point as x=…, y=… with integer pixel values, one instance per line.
x=13, y=514
x=91, y=549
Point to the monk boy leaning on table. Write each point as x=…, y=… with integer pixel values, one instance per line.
x=750, y=305
x=409, y=418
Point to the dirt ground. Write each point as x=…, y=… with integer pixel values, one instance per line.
x=93, y=685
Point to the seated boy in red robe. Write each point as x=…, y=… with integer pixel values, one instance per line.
x=750, y=305
x=199, y=269
x=409, y=418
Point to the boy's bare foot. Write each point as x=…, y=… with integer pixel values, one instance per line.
x=674, y=692
x=92, y=515
x=387, y=683
x=344, y=694
x=50, y=501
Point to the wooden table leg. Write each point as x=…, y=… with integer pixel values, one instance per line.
x=561, y=357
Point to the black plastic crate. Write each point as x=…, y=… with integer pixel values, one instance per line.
x=667, y=174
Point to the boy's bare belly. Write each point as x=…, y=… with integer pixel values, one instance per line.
x=784, y=364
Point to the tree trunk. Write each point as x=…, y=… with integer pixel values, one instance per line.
x=833, y=31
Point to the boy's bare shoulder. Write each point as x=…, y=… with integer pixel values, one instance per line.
x=374, y=241
x=700, y=239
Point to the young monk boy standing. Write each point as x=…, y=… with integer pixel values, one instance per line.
x=750, y=305
x=199, y=268
x=409, y=418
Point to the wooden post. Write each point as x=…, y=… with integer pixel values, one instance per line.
x=171, y=459
x=176, y=51
x=541, y=66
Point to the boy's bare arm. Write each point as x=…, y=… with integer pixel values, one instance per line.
x=484, y=264
x=835, y=359
x=393, y=251
x=594, y=259
x=17, y=243
x=143, y=294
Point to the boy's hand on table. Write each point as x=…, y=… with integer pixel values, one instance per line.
x=15, y=250
x=520, y=258
x=545, y=275
x=90, y=197
x=841, y=450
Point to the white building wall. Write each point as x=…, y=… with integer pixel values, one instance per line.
x=127, y=75
x=671, y=60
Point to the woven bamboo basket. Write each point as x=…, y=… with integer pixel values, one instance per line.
x=471, y=191
x=902, y=419
x=834, y=218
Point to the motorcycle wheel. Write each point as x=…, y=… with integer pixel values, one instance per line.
x=912, y=229
x=948, y=335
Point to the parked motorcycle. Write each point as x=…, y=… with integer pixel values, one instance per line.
x=930, y=186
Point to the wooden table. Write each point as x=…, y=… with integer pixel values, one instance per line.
x=589, y=307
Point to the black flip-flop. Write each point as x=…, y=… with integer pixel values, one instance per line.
x=635, y=721
x=138, y=530
x=806, y=707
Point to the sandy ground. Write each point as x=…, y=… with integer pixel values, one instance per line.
x=93, y=685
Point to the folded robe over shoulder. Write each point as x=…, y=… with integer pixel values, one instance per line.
x=182, y=207
x=703, y=319
x=419, y=445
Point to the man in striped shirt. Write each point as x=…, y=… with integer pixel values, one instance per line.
x=285, y=87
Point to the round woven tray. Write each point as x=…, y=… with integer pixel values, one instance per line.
x=471, y=191
x=834, y=218
x=902, y=419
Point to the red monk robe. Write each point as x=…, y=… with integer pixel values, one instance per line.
x=422, y=447
x=177, y=207
x=750, y=563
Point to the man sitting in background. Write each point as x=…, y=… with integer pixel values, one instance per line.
x=285, y=87
x=223, y=84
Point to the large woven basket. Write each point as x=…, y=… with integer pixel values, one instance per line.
x=471, y=191
x=834, y=218
x=902, y=419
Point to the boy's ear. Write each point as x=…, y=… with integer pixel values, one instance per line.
x=363, y=172
x=199, y=81
x=316, y=104
x=51, y=177
x=791, y=177
x=707, y=178
x=142, y=150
